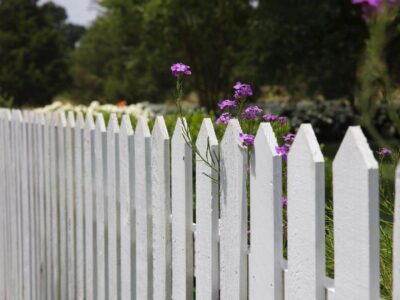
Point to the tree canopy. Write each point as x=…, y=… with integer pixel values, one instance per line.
x=35, y=42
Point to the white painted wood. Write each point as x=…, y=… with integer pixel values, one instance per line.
x=396, y=239
x=48, y=205
x=131, y=148
x=305, y=213
x=69, y=168
x=31, y=237
x=356, y=219
x=112, y=207
x=265, y=257
x=88, y=149
x=142, y=196
x=61, y=199
x=161, y=209
x=79, y=207
x=100, y=178
x=3, y=208
x=42, y=207
x=125, y=207
x=207, y=214
x=25, y=208
x=233, y=203
x=182, y=213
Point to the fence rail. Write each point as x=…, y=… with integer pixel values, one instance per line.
x=89, y=211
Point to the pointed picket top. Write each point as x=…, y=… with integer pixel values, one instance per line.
x=206, y=135
x=112, y=126
x=89, y=122
x=265, y=270
x=61, y=120
x=160, y=129
x=207, y=214
x=232, y=133
x=7, y=114
x=305, y=213
x=179, y=134
x=100, y=124
x=266, y=139
x=306, y=142
x=71, y=119
x=142, y=128
x=356, y=218
x=80, y=121
x=126, y=125
x=355, y=141
x=17, y=115
x=396, y=239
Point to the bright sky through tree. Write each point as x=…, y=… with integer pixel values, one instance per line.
x=81, y=12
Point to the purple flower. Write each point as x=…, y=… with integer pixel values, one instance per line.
x=283, y=150
x=384, y=152
x=372, y=3
x=270, y=117
x=247, y=139
x=242, y=90
x=284, y=201
x=289, y=137
x=224, y=118
x=179, y=69
x=251, y=112
x=282, y=120
x=227, y=103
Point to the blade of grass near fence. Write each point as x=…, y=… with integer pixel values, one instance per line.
x=396, y=239
x=356, y=219
x=207, y=215
x=182, y=214
x=100, y=153
x=126, y=224
x=142, y=196
x=79, y=207
x=233, y=203
x=112, y=225
x=161, y=208
x=61, y=127
x=69, y=168
x=265, y=258
x=306, y=223
x=88, y=174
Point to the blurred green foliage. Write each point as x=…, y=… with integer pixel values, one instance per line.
x=35, y=43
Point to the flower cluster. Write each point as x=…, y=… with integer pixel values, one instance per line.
x=179, y=69
x=248, y=116
x=384, y=152
x=284, y=149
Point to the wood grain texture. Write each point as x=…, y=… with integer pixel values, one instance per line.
x=182, y=213
x=233, y=203
x=207, y=214
x=112, y=207
x=125, y=134
x=161, y=209
x=265, y=257
x=100, y=166
x=142, y=196
x=356, y=219
x=305, y=213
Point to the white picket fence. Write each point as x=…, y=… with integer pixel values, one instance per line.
x=95, y=212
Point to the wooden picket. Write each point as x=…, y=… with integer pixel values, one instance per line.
x=142, y=196
x=233, y=203
x=161, y=210
x=100, y=168
x=182, y=213
x=356, y=219
x=207, y=214
x=265, y=218
x=89, y=211
x=306, y=224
